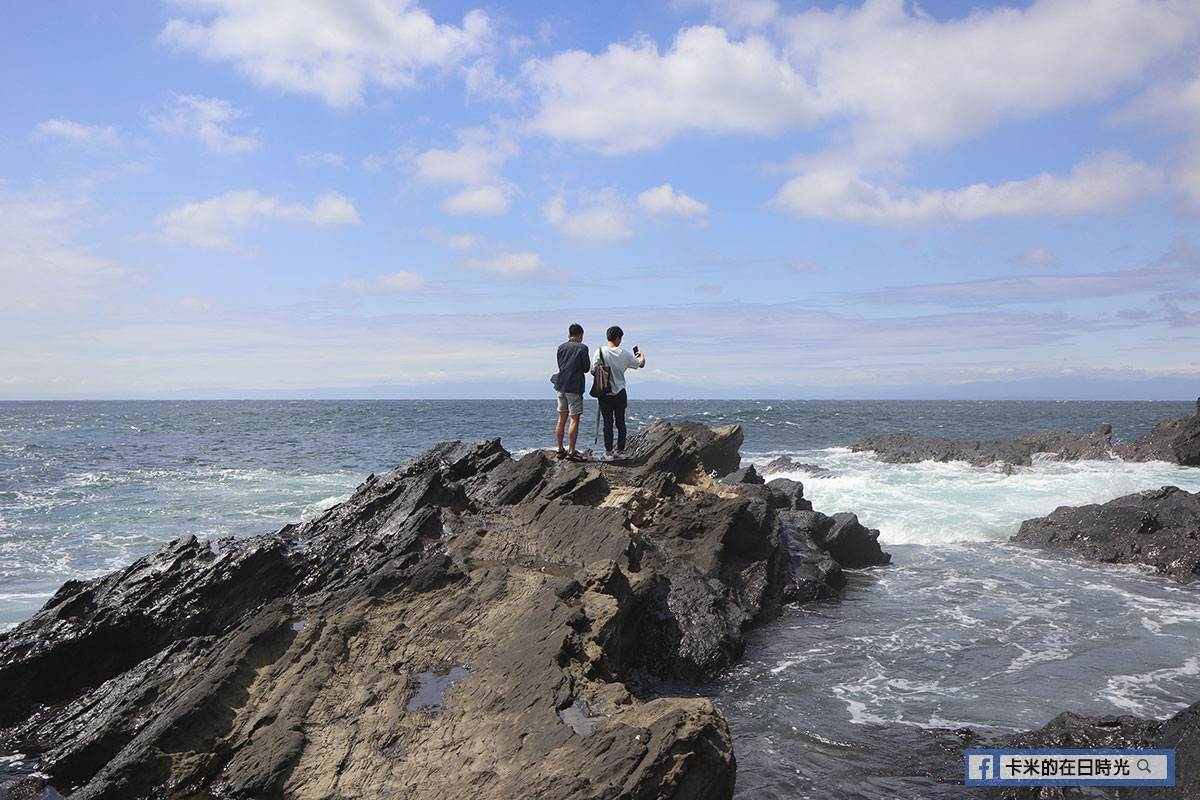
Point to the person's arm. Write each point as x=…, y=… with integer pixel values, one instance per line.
x=636, y=362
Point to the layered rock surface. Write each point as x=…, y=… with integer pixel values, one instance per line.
x=465, y=626
x=1160, y=527
x=1176, y=441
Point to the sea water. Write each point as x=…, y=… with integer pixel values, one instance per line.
x=963, y=629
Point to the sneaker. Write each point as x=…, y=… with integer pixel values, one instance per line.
x=605, y=457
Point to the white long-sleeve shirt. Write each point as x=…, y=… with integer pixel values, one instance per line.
x=617, y=359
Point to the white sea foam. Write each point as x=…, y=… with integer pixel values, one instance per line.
x=933, y=503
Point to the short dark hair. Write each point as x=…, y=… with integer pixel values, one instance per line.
x=614, y=333
x=575, y=330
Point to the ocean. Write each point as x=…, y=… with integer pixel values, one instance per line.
x=964, y=629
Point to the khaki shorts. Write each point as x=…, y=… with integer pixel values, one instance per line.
x=571, y=402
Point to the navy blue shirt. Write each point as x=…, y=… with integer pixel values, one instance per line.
x=573, y=364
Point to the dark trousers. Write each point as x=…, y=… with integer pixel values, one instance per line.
x=612, y=408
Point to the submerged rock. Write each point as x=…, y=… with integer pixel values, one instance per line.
x=466, y=625
x=1160, y=527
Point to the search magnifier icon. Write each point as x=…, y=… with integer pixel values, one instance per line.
x=1143, y=765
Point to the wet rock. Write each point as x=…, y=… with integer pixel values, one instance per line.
x=903, y=448
x=787, y=464
x=1176, y=441
x=850, y=543
x=744, y=475
x=1160, y=527
x=462, y=626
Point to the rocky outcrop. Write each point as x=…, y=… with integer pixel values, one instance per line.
x=1173, y=440
x=1176, y=441
x=1160, y=527
x=465, y=626
x=1070, y=732
x=902, y=448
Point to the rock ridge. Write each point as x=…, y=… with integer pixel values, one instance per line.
x=1176, y=441
x=464, y=626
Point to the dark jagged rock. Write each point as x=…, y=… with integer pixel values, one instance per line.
x=846, y=539
x=787, y=464
x=1176, y=441
x=744, y=475
x=463, y=626
x=1071, y=731
x=1173, y=440
x=902, y=448
x=1160, y=527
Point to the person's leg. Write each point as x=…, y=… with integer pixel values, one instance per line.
x=574, y=432
x=562, y=421
x=620, y=402
x=606, y=410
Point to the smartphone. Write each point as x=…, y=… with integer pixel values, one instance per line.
x=636, y=352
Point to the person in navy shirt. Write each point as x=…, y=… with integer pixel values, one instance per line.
x=573, y=365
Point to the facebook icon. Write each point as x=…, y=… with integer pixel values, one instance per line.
x=983, y=767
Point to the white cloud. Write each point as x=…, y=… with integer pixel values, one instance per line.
x=882, y=76
x=1038, y=257
x=207, y=223
x=902, y=78
x=204, y=118
x=663, y=200
x=1174, y=102
x=463, y=241
x=1105, y=184
x=483, y=200
x=44, y=268
x=605, y=222
x=632, y=96
x=477, y=160
x=78, y=133
x=321, y=159
x=330, y=48
x=510, y=264
x=374, y=163
x=737, y=13
x=476, y=166
x=402, y=281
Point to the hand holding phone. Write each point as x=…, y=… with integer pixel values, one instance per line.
x=636, y=352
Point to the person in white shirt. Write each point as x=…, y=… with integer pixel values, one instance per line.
x=612, y=405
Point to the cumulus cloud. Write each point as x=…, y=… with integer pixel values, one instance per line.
x=893, y=76
x=208, y=223
x=901, y=79
x=402, y=281
x=632, y=96
x=605, y=221
x=736, y=14
x=475, y=164
x=482, y=200
x=508, y=264
x=663, y=200
x=1104, y=184
x=204, y=118
x=333, y=49
x=77, y=133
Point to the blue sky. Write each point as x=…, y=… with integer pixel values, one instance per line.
x=206, y=198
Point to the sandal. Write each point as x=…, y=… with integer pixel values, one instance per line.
x=561, y=454
x=576, y=456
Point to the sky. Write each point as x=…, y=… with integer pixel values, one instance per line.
x=380, y=198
